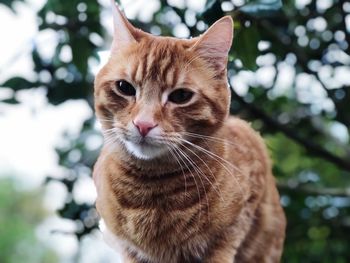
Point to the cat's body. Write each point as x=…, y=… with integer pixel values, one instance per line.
x=241, y=220
x=177, y=180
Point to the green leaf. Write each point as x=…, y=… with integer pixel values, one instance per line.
x=60, y=91
x=72, y=210
x=81, y=49
x=246, y=46
x=262, y=8
x=18, y=83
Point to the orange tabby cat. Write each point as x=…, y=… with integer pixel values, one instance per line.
x=178, y=180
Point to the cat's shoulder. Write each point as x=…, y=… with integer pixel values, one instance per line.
x=241, y=132
x=237, y=128
x=235, y=124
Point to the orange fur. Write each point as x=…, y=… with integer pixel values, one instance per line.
x=210, y=197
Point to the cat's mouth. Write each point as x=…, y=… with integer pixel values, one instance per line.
x=145, y=148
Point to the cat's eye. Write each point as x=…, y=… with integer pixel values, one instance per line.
x=180, y=96
x=125, y=88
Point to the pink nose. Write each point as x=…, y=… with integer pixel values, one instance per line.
x=144, y=127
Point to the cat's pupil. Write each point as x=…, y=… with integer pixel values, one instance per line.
x=125, y=88
x=180, y=96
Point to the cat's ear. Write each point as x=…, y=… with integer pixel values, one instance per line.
x=216, y=42
x=123, y=30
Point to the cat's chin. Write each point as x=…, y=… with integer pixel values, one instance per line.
x=145, y=151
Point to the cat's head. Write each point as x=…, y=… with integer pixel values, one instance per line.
x=155, y=92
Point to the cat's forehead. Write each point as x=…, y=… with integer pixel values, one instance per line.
x=159, y=60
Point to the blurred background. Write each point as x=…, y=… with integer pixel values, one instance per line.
x=289, y=70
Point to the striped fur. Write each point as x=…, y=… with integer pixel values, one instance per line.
x=211, y=197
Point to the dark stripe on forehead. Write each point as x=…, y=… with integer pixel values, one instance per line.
x=161, y=59
x=134, y=70
x=152, y=67
x=168, y=60
x=144, y=63
x=176, y=72
x=157, y=62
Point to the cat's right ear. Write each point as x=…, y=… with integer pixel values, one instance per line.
x=122, y=35
x=215, y=43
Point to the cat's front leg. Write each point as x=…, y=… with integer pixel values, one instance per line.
x=223, y=255
x=224, y=248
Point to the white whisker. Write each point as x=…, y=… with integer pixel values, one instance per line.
x=206, y=177
x=178, y=162
x=199, y=173
x=180, y=153
x=211, y=138
x=220, y=160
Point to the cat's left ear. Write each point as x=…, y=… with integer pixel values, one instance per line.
x=216, y=42
x=123, y=30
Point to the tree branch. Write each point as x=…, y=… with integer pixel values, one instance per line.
x=297, y=51
x=307, y=189
x=310, y=146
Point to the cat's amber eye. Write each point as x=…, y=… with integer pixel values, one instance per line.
x=125, y=88
x=180, y=96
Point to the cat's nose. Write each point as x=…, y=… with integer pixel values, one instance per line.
x=144, y=127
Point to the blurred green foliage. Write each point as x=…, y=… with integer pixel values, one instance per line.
x=19, y=215
x=306, y=131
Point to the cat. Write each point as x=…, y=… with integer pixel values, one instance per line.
x=179, y=180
